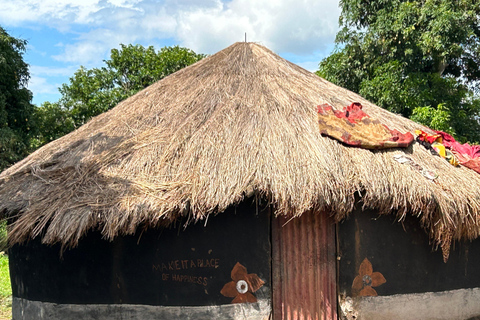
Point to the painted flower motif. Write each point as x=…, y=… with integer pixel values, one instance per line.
x=242, y=286
x=366, y=279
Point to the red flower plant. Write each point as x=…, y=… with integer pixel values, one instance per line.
x=366, y=279
x=242, y=286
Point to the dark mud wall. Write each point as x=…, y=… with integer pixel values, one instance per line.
x=171, y=267
x=402, y=253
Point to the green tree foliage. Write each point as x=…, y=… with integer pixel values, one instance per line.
x=52, y=121
x=418, y=58
x=93, y=91
x=15, y=107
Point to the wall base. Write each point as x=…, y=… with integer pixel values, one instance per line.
x=459, y=304
x=23, y=309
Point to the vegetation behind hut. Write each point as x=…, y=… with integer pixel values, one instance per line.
x=93, y=91
x=15, y=107
x=417, y=58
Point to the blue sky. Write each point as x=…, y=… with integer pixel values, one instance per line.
x=62, y=35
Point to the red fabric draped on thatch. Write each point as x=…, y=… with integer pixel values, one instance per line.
x=467, y=155
x=354, y=127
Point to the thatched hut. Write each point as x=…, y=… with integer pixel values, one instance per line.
x=212, y=194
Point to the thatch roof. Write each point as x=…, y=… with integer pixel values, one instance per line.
x=238, y=123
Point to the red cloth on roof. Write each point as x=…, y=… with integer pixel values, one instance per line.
x=354, y=127
x=435, y=142
x=430, y=138
x=467, y=155
x=473, y=151
x=353, y=113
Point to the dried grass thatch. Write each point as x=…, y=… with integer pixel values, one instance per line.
x=238, y=123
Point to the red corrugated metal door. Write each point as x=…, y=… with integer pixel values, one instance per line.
x=304, y=268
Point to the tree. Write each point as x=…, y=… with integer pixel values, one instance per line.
x=93, y=91
x=52, y=121
x=15, y=107
x=417, y=58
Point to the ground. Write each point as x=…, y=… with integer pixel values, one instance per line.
x=5, y=289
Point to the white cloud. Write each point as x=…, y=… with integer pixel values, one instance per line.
x=15, y=12
x=51, y=71
x=297, y=26
x=42, y=85
x=125, y=3
x=41, y=79
x=90, y=49
x=157, y=24
x=84, y=53
x=311, y=66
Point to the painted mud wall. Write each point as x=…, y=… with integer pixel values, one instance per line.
x=384, y=264
x=169, y=267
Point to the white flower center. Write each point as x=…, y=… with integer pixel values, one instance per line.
x=367, y=280
x=242, y=286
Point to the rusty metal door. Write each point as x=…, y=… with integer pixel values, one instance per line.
x=304, y=268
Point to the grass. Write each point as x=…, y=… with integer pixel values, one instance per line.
x=5, y=287
x=3, y=235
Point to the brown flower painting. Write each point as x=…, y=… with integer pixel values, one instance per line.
x=366, y=279
x=243, y=285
